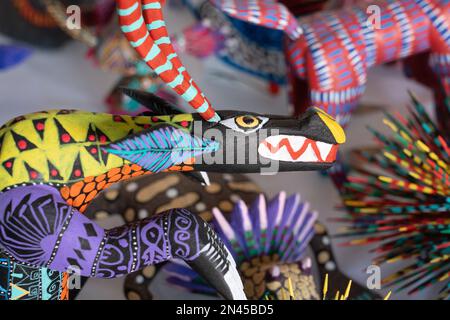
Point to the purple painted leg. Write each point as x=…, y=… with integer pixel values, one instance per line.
x=38, y=227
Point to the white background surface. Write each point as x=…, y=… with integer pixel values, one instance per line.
x=65, y=79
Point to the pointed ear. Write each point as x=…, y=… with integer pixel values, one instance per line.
x=161, y=147
x=153, y=103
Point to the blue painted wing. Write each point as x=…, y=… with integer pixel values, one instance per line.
x=162, y=147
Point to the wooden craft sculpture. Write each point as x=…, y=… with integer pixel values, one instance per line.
x=330, y=52
x=398, y=199
x=54, y=163
x=111, y=51
x=269, y=240
x=151, y=194
x=235, y=198
x=242, y=45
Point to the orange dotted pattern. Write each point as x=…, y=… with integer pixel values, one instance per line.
x=80, y=194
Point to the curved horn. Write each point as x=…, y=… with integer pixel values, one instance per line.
x=143, y=24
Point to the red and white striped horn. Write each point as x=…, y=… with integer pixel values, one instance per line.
x=143, y=24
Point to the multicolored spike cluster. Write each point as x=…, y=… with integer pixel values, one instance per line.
x=283, y=226
x=268, y=240
x=400, y=199
x=143, y=24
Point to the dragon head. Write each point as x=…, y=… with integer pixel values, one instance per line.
x=243, y=142
x=226, y=140
x=250, y=141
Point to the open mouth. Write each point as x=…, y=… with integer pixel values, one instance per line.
x=297, y=149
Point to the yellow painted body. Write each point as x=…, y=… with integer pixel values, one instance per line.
x=32, y=165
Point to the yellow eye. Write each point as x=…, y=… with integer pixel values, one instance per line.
x=247, y=122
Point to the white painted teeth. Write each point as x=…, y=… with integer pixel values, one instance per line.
x=309, y=155
x=288, y=148
x=294, y=140
x=324, y=149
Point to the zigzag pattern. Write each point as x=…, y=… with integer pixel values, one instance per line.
x=63, y=147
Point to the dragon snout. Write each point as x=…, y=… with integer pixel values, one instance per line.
x=313, y=138
x=320, y=126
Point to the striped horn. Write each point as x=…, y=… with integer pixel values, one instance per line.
x=143, y=24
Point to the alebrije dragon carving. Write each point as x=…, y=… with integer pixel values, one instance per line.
x=269, y=240
x=329, y=53
x=54, y=163
x=232, y=196
x=238, y=200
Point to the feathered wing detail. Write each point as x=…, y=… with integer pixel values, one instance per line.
x=266, y=13
x=160, y=148
x=284, y=226
x=291, y=206
x=294, y=208
x=142, y=23
x=242, y=225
